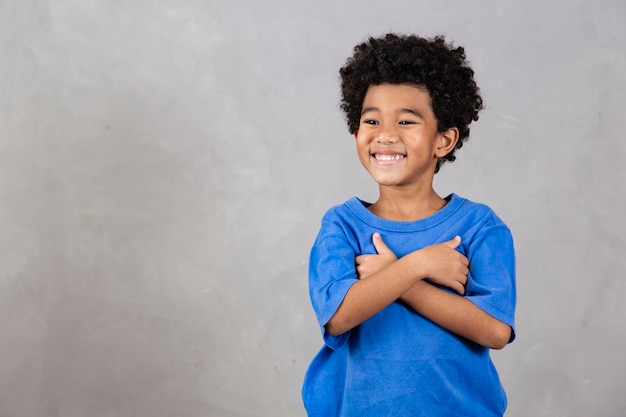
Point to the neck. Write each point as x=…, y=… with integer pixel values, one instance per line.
x=406, y=204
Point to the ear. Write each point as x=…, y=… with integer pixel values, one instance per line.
x=446, y=141
x=356, y=133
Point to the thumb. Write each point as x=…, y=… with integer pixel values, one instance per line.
x=453, y=243
x=380, y=246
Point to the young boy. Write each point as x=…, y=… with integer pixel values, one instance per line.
x=413, y=290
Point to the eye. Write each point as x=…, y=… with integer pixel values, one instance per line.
x=407, y=122
x=369, y=122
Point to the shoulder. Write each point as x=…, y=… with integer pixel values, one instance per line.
x=477, y=213
x=348, y=212
x=347, y=208
x=342, y=218
x=484, y=235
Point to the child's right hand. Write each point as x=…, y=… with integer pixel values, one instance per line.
x=443, y=265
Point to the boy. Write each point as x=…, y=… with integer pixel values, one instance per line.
x=413, y=290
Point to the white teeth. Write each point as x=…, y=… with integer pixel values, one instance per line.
x=386, y=157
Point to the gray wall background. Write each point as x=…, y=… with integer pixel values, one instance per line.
x=164, y=166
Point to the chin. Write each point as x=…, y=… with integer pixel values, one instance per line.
x=387, y=182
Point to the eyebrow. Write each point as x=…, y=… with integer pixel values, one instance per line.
x=402, y=110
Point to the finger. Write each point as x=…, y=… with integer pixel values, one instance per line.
x=380, y=246
x=463, y=280
x=359, y=271
x=459, y=288
x=453, y=243
x=362, y=272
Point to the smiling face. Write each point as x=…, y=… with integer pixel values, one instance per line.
x=397, y=140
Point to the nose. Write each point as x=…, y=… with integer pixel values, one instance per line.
x=387, y=133
x=386, y=136
x=386, y=139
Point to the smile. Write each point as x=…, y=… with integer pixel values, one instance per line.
x=388, y=157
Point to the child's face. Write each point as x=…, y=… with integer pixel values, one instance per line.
x=397, y=141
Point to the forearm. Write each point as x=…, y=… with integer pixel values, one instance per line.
x=366, y=297
x=457, y=314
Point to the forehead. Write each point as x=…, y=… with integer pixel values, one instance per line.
x=397, y=95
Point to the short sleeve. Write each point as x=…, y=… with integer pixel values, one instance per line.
x=331, y=274
x=491, y=280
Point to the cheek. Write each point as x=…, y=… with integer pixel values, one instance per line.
x=364, y=155
x=361, y=146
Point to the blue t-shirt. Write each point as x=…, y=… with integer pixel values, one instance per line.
x=399, y=363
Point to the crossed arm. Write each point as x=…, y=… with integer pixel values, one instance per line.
x=385, y=279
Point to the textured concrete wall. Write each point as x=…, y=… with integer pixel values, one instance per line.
x=164, y=166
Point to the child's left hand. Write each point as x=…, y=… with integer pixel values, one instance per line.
x=369, y=264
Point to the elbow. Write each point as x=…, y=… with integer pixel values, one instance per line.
x=497, y=345
x=499, y=337
x=336, y=327
x=333, y=331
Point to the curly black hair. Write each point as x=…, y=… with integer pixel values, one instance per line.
x=429, y=63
